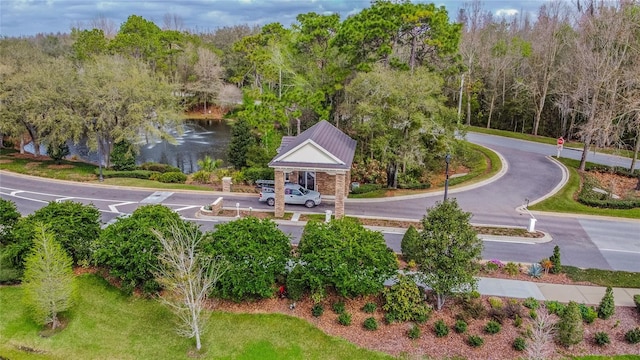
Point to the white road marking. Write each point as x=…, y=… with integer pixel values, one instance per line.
x=157, y=197
x=114, y=206
x=13, y=193
x=185, y=208
x=622, y=251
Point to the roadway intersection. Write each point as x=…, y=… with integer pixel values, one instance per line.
x=530, y=174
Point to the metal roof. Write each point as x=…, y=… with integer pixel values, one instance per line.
x=328, y=137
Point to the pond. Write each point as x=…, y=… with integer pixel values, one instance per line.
x=200, y=138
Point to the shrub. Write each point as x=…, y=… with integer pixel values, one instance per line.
x=556, y=267
x=366, y=188
x=370, y=324
x=58, y=153
x=517, y=321
x=440, y=328
x=554, y=307
x=123, y=156
x=607, y=306
x=495, y=302
x=492, y=327
x=346, y=256
x=369, y=307
x=258, y=253
x=128, y=247
x=404, y=300
x=570, y=330
x=513, y=309
x=531, y=303
x=338, y=307
x=519, y=344
x=172, y=177
x=602, y=338
x=475, y=340
x=295, y=283
x=410, y=244
x=535, y=271
x=201, y=176
x=533, y=314
x=633, y=336
x=511, y=269
x=390, y=318
x=414, y=332
x=472, y=309
x=132, y=174
x=317, y=310
x=253, y=174
x=460, y=326
x=344, y=319
x=589, y=314
x=546, y=265
x=157, y=167
x=493, y=265
x=498, y=315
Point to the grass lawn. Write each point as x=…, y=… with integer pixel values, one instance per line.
x=546, y=140
x=603, y=277
x=564, y=201
x=104, y=324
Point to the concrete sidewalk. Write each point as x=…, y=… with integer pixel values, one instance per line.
x=590, y=295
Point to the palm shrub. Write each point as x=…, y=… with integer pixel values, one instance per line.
x=570, y=330
x=511, y=269
x=555, y=260
x=607, y=306
x=404, y=301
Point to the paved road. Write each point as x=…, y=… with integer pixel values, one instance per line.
x=606, y=244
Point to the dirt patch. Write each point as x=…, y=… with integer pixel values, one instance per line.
x=5, y=161
x=61, y=166
x=623, y=186
x=32, y=164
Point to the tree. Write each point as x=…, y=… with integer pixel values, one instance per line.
x=123, y=156
x=9, y=216
x=555, y=261
x=209, y=74
x=186, y=276
x=607, y=306
x=345, y=256
x=241, y=141
x=129, y=249
x=410, y=244
x=48, y=278
x=257, y=253
x=58, y=152
x=570, y=327
x=449, y=251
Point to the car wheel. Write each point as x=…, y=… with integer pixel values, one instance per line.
x=309, y=204
x=271, y=201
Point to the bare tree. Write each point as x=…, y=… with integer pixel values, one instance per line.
x=187, y=277
x=172, y=22
x=541, y=337
x=108, y=26
x=209, y=73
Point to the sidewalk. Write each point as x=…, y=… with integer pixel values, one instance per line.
x=589, y=295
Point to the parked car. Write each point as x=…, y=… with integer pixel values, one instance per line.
x=293, y=194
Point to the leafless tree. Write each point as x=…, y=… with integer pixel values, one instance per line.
x=187, y=277
x=541, y=337
x=172, y=22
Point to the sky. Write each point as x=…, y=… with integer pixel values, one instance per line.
x=30, y=17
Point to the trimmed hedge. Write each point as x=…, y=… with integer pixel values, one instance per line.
x=136, y=174
x=252, y=174
x=365, y=188
x=589, y=197
x=157, y=167
x=172, y=177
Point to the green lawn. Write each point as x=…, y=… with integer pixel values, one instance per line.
x=105, y=324
x=603, y=277
x=564, y=201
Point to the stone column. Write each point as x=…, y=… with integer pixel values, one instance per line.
x=226, y=184
x=279, y=193
x=340, y=195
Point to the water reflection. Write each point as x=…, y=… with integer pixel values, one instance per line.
x=200, y=138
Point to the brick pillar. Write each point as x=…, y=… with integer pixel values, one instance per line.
x=279, y=193
x=226, y=184
x=340, y=195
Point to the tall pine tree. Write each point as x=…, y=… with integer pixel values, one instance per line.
x=241, y=141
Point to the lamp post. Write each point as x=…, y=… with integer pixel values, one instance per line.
x=447, y=159
x=95, y=127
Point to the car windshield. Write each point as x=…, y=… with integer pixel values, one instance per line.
x=304, y=191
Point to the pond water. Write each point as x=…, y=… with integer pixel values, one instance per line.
x=200, y=138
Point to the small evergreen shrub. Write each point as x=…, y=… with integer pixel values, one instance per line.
x=495, y=302
x=369, y=307
x=589, y=314
x=344, y=319
x=414, y=332
x=371, y=324
x=607, y=305
x=633, y=336
x=531, y=303
x=492, y=327
x=554, y=307
x=519, y=344
x=317, y=310
x=475, y=340
x=570, y=330
x=410, y=244
x=512, y=269
x=404, y=300
x=556, y=267
x=338, y=307
x=440, y=328
x=460, y=326
x=602, y=338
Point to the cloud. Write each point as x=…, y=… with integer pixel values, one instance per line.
x=506, y=12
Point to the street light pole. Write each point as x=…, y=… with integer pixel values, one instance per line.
x=447, y=159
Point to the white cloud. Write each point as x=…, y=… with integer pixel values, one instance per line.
x=506, y=12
